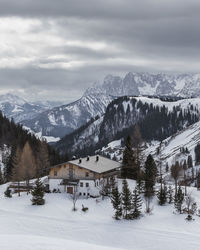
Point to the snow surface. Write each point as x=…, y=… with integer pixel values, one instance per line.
x=55, y=226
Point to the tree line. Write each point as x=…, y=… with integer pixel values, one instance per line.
x=24, y=150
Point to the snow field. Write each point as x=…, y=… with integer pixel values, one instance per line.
x=55, y=226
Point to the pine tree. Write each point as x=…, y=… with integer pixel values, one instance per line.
x=1, y=178
x=137, y=142
x=184, y=170
x=170, y=195
x=116, y=202
x=150, y=176
x=162, y=195
x=38, y=193
x=190, y=161
x=178, y=200
x=126, y=200
x=136, y=204
x=7, y=193
x=128, y=168
x=43, y=161
x=175, y=173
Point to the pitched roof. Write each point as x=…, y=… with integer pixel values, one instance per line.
x=102, y=165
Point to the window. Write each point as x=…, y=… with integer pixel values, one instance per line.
x=88, y=194
x=84, y=194
x=81, y=184
x=87, y=184
x=80, y=194
x=55, y=173
x=86, y=174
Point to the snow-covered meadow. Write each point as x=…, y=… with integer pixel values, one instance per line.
x=55, y=226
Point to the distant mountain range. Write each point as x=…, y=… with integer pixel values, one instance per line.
x=63, y=120
x=19, y=109
x=185, y=85
x=56, y=120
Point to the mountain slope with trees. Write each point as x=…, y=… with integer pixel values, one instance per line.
x=156, y=118
x=23, y=152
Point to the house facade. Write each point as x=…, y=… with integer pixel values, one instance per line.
x=85, y=176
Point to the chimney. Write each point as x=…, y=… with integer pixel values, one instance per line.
x=80, y=161
x=88, y=158
x=97, y=158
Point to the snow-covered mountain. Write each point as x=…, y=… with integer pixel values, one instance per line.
x=62, y=120
x=185, y=85
x=158, y=119
x=19, y=109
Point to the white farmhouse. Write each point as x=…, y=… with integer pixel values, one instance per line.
x=85, y=176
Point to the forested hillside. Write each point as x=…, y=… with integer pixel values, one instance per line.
x=156, y=118
x=14, y=138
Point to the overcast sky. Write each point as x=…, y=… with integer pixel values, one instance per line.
x=55, y=49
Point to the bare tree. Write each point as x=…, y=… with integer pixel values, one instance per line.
x=175, y=173
x=17, y=171
x=189, y=201
x=148, y=206
x=74, y=197
x=28, y=163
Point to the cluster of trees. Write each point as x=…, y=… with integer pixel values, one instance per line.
x=37, y=193
x=19, y=143
x=26, y=166
x=127, y=205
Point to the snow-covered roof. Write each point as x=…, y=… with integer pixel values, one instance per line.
x=99, y=166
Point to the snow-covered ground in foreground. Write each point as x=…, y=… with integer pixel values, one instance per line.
x=55, y=227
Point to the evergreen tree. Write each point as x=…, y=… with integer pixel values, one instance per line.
x=190, y=161
x=185, y=179
x=38, y=193
x=178, y=200
x=1, y=178
x=175, y=173
x=162, y=195
x=167, y=168
x=126, y=200
x=198, y=180
x=170, y=195
x=43, y=161
x=136, y=204
x=197, y=154
x=150, y=176
x=116, y=202
x=137, y=143
x=7, y=193
x=128, y=168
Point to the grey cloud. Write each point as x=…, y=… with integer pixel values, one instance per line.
x=163, y=34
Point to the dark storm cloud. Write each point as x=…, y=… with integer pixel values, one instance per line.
x=58, y=48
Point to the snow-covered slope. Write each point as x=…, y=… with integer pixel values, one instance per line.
x=185, y=85
x=188, y=137
x=55, y=226
x=62, y=120
x=170, y=147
